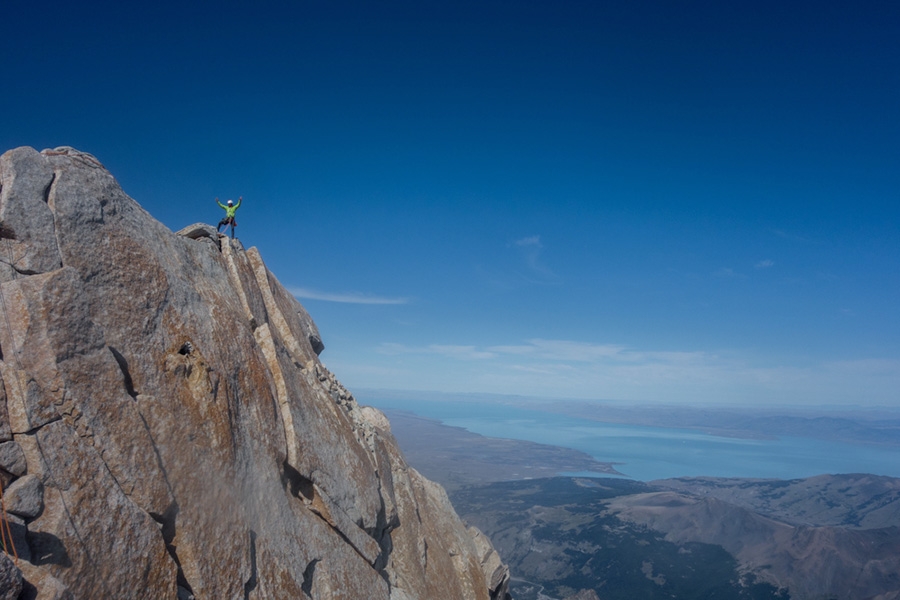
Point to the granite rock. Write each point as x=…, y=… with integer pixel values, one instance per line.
x=12, y=460
x=25, y=497
x=10, y=579
x=167, y=395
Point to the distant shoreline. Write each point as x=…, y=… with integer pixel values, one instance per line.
x=873, y=426
x=666, y=443
x=456, y=457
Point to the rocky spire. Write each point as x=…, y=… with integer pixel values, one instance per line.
x=167, y=429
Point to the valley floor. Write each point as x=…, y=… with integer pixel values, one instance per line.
x=568, y=538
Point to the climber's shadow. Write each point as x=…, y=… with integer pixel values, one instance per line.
x=47, y=549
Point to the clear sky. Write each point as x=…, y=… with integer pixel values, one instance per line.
x=643, y=201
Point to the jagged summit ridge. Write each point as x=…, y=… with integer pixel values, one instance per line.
x=165, y=409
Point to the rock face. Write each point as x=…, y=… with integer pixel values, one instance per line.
x=10, y=579
x=167, y=429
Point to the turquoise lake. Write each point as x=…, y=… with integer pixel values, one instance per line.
x=647, y=453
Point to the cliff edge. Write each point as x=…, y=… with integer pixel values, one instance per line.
x=168, y=431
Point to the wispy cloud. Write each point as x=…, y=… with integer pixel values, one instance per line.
x=563, y=350
x=346, y=297
x=870, y=367
x=463, y=352
x=764, y=264
x=531, y=249
x=571, y=368
x=785, y=235
x=533, y=241
x=568, y=367
x=547, y=351
x=448, y=350
x=727, y=273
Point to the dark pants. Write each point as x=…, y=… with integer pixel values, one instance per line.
x=227, y=221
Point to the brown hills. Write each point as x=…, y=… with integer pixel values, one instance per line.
x=830, y=537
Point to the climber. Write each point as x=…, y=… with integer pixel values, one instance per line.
x=229, y=215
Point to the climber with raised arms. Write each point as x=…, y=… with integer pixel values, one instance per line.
x=230, y=209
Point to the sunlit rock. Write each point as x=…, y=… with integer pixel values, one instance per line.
x=177, y=426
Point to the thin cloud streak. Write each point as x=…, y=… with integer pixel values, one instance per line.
x=789, y=236
x=575, y=369
x=555, y=351
x=567, y=351
x=531, y=249
x=533, y=241
x=727, y=273
x=447, y=350
x=561, y=350
x=346, y=298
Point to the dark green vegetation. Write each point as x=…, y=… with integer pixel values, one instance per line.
x=559, y=538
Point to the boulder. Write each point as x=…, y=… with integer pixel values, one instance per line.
x=25, y=497
x=12, y=459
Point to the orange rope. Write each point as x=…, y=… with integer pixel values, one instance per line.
x=5, y=531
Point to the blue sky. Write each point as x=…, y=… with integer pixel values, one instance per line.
x=642, y=201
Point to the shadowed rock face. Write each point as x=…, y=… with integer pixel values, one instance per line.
x=170, y=429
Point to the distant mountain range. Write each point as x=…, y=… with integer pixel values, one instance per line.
x=852, y=425
x=831, y=537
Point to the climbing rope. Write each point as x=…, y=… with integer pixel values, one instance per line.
x=6, y=537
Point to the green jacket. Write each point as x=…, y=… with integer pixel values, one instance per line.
x=230, y=210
